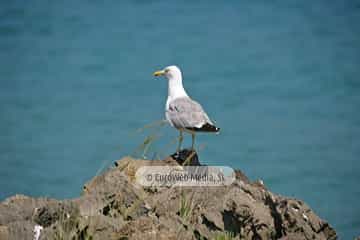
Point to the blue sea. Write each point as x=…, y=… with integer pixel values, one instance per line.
x=280, y=78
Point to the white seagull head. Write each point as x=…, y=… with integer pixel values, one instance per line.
x=170, y=72
x=173, y=74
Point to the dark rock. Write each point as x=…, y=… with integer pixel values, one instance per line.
x=186, y=157
x=114, y=206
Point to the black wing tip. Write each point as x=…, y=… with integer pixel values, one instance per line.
x=207, y=127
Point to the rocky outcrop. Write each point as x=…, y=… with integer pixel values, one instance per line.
x=114, y=206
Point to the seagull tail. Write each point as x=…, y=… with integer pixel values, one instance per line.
x=207, y=127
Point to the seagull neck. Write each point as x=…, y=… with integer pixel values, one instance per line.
x=176, y=89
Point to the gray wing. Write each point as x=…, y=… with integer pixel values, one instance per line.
x=186, y=113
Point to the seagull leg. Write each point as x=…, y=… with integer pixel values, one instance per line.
x=193, y=141
x=180, y=140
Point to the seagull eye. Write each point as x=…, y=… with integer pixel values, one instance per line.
x=167, y=70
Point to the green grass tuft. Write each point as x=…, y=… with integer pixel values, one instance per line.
x=186, y=207
x=225, y=236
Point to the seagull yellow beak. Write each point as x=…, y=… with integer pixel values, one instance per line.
x=159, y=73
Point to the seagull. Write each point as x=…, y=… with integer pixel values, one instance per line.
x=183, y=113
